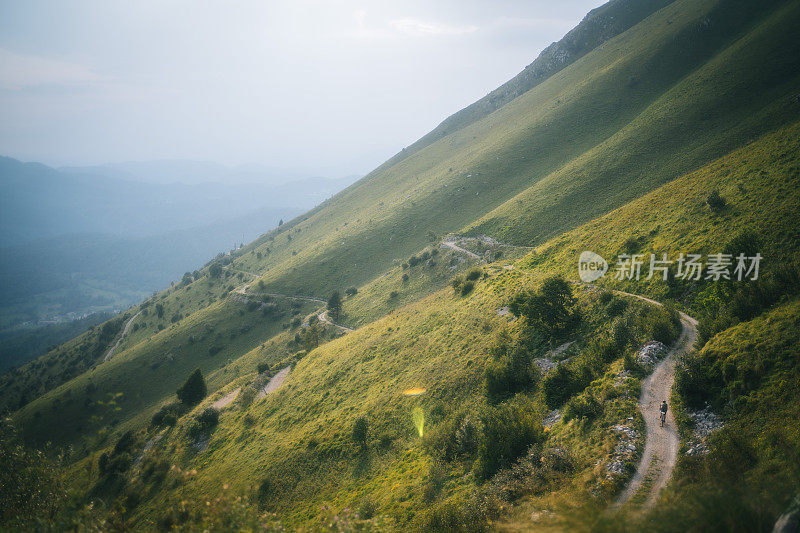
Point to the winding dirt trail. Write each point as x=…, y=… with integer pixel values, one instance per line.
x=661, y=443
x=453, y=246
x=275, y=382
x=323, y=317
x=226, y=400
x=125, y=330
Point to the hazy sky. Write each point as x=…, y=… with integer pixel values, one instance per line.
x=332, y=86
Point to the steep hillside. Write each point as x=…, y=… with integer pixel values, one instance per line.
x=293, y=452
x=627, y=101
x=507, y=399
x=391, y=214
x=597, y=27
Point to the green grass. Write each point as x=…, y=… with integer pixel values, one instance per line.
x=575, y=120
x=147, y=372
x=441, y=343
x=620, y=149
x=750, y=474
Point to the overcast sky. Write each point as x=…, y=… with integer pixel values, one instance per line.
x=332, y=86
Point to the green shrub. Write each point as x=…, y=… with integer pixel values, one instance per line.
x=715, y=201
x=351, y=291
x=458, y=437
x=263, y=493
x=629, y=363
x=465, y=516
x=168, y=415
x=558, y=386
x=508, y=431
x=621, y=334
x=509, y=373
x=616, y=306
x=367, y=509
x=665, y=325
x=456, y=283
x=124, y=443
x=204, y=423
x=473, y=274
x=550, y=309
x=584, y=406
x=360, y=430
x=467, y=287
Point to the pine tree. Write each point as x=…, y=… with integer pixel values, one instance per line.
x=335, y=304
x=194, y=390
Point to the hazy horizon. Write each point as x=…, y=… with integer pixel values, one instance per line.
x=333, y=89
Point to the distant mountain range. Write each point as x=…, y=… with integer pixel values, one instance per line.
x=78, y=241
x=185, y=171
x=38, y=202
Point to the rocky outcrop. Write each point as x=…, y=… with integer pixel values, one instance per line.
x=705, y=423
x=651, y=353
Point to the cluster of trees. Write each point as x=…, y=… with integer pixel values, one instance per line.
x=425, y=256
x=550, y=310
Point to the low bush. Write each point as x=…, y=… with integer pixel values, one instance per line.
x=465, y=516
x=715, y=201
x=665, y=325
x=508, y=431
x=551, y=309
x=558, y=386
x=456, y=438
x=360, y=430
x=204, y=423
x=168, y=415
x=510, y=372
x=467, y=287
x=583, y=407
x=473, y=274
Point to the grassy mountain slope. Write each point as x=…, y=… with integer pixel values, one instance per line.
x=745, y=85
x=559, y=126
x=597, y=27
x=297, y=441
x=360, y=233
x=151, y=369
x=616, y=152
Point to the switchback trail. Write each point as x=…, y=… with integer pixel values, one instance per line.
x=453, y=246
x=323, y=317
x=661, y=443
x=127, y=327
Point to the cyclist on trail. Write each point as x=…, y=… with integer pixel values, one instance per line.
x=664, y=408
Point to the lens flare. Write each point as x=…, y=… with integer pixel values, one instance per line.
x=418, y=417
x=416, y=391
